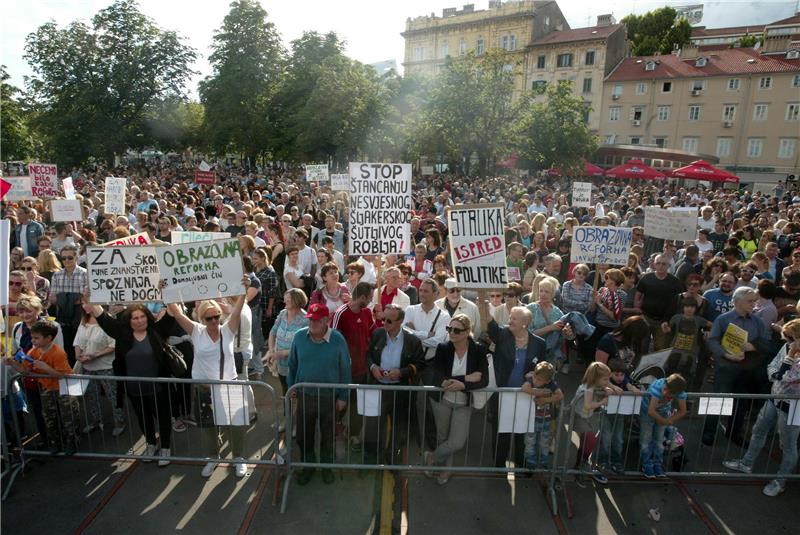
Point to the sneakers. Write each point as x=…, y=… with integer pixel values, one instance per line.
x=118, y=430
x=738, y=466
x=600, y=477
x=208, y=469
x=149, y=451
x=443, y=478
x=178, y=426
x=164, y=453
x=91, y=427
x=658, y=470
x=355, y=444
x=240, y=468
x=773, y=488
x=617, y=470
x=649, y=472
x=565, y=368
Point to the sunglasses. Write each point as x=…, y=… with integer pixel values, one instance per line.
x=68, y=258
x=16, y=284
x=389, y=321
x=454, y=330
x=495, y=295
x=209, y=319
x=454, y=291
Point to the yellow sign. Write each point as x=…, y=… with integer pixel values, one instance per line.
x=734, y=339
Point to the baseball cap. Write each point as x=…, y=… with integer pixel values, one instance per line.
x=317, y=311
x=451, y=283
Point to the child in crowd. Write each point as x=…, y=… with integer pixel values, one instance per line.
x=609, y=455
x=546, y=394
x=590, y=396
x=657, y=412
x=60, y=412
x=688, y=334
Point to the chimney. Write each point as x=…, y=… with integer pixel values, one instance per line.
x=448, y=12
x=689, y=51
x=606, y=20
x=468, y=8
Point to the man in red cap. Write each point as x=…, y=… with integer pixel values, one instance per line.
x=318, y=355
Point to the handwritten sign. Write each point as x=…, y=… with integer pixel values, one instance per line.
x=69, y=189
x=670, y=224
x=201, y=270
x=601, y=245
x=21, y=189
x=734, y=339
x=44, y=180
x=478, y=245
x=66, y=210
x=340, y=182
x=231, y=404
x=204, y=174
x=191, y=237
x=122, y=274
x=582, y=194
x=137, y=239
x=115, y=195
x=380, y=211
x=317, y=173
x=427, y=170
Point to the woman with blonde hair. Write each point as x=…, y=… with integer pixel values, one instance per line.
x=546, y=321
x=538, y=223
x=33, y=281
x=48, y=264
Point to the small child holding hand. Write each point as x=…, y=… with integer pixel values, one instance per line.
x=656, y=414
x=546, y=393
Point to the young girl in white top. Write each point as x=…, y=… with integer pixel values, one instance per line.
x=590, y=396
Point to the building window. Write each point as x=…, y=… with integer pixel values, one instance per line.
x=663, y=113
x=540, y=62
x=694, y=113
x=508, y=42
x=587, y=110
x=690, y=144
x=698, y=85
x=786, y=148
x=480, y=47
x=589, y=59
x=641, y=88
x=614, y=113
x=666, y=87
x=445, y=50
x=765, y=82
x=650, y=66
x=733, y=84
x=587, y=85
x=755, y=147
x=462, y=47
x=539, y=86
x=728, y=112
x=635, y=140
x=760, y=112
x=796, y=80
x=611, y=139
x=723, y=147
x=419, y=53
x=564, y=60
x=660, y=141
x=617, y=90
x=636, y=113
x=793, y=112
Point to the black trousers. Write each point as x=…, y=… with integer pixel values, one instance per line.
x=153, y=412
x=313, y=408
x=395, y=409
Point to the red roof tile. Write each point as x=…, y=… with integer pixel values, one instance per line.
x=720, y=63
x=589, y=33
x=794, y=19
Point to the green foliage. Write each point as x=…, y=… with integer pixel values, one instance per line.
x=747, y=41
x=657, y=31
x=16, y=141
x=94, y=85
x=553, y=133
x=249, y=63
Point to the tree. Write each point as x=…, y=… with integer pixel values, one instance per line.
x=176, y=124
x=248, y=61
x=657, y=31
x=94, y=86
x=747, y=41
x=16, y=141
x=554, y=133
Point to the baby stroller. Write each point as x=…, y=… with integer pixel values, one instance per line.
x=650, y=368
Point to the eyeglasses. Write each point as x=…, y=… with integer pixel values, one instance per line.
x=209, y=319
x=16, y=284
x=454, y=290
x=68, y=258
x=509, y=295
x=454, y=330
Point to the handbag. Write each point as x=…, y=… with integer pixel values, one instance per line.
x=479, y=398
x=175, y=361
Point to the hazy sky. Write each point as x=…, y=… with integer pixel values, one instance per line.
x=371, y=28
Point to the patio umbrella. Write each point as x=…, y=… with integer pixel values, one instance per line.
x=702, y=170
x=634, y=169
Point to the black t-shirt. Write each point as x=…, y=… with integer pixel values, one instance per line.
x=658, y=294
x=607, y=344
x=718, y=240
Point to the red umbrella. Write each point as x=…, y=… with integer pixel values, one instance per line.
x=589, y=169
x=702, y=170
x=634, y=169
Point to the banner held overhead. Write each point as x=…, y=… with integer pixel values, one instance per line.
x=380, y=210
x=478, y=245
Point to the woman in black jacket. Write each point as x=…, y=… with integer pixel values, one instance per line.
x=139, y=352
x=460, y=366
x=517, y=351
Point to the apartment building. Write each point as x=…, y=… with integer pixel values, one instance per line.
x=738, y=104
x=776, y=35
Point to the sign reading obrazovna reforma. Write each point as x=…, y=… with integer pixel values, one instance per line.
x=200, y=270
x=380, y=208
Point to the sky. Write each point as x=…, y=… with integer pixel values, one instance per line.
x=371, y=28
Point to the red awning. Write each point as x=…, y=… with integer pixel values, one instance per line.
x=589, y=169
x=634, y=169
x=702, y=170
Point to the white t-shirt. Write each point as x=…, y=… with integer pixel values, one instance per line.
x=289, y=269
x=206, y=354
x=91, y=338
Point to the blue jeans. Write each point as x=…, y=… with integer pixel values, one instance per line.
x=767, y=418
x=651, y=441
x=609, y=452
x=537, y=444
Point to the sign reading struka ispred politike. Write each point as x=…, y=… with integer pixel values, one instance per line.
x=44, y=180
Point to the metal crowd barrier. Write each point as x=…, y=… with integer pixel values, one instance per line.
x=88, y=417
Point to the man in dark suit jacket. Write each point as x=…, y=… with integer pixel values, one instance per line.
x=394, y=356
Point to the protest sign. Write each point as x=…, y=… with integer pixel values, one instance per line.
x=44, y=180
x=368, y=402
x=734, y=339
x=380, y=210
x=20, y=190
x=137, y=239
x=670, y=224
x=5, y=260
x=340, y=182
x=317, y=173
x=627, y=404
x=601, y=245
x=69, y=189
x=582, y=194
x=204, y=174
x=66, y=210
x=201, y=270
x=478, y=245
x=115, y=196
x=68, y=386
x=427, y=170
x=715, y=406
x=764, y=189
x=517, y=413
x=231, y=404
x=122, y=274
x=191, y=237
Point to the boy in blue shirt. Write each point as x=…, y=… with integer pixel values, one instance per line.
x=656, y=414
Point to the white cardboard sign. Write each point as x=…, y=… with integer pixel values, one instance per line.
x=671, y=224
x=380, y=209
x=66, y=210
x=44, y=180
x=517, y=413
x=601, y=245
x=317, y=173
x=582, y=194
x=21, y=189
x=69, y=189
x=115, y=195
x=200, y=270
x=340, y=182
x=122, y=274
x=191, y=237
x=478, y=245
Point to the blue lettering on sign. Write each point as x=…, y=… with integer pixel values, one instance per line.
x=603, y=245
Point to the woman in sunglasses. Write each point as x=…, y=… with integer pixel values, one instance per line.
x=33, y=281
x=460, y=365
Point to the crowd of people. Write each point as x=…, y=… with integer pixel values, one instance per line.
x=313, y=313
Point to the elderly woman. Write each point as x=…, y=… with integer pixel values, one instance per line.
x=330, y=292
x=517, y=351
x=546, y=321
x=459, y=366
x=502, y=313
x=290, y=320
x=213, y=359
x=576, y=294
